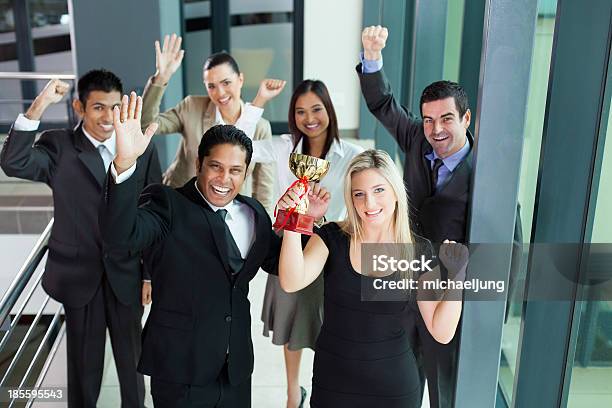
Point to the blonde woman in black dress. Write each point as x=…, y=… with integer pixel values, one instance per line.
x=364, y=355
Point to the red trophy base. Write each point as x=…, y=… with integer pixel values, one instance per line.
x=297, y=222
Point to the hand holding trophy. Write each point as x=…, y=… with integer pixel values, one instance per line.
x=306, y=169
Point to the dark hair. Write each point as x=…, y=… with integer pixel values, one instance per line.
x=98, y=80
x=318, y=88
x=222, y=134
x=219, y=58
x=445, y=89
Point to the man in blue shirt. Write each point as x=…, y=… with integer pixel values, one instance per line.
x=437, y=172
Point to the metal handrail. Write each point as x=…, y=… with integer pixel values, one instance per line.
x=23, y=276
x=24, y=342
x=50, y=357
x=36, y=75
x=41, y=346
x=19, y=311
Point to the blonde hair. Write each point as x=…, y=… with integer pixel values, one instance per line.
x=380, y=161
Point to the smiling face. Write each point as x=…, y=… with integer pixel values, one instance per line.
x=221, y=173
x=444, y=129
x=311, y=116
x=373, y=198
x=223, y=85
x=97, y=114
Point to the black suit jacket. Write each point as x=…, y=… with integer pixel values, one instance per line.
x=435, y=215
x=199, y=312
x=67, y=162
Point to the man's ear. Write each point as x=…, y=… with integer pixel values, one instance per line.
x=198, y=165
x=468, y=118
x=78, y=107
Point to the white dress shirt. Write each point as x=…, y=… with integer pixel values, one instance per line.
x=277, y=150
x=247, y=121
x=339, y=156
x=240, y=219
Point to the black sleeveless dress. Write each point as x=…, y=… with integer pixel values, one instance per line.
x=364, y=354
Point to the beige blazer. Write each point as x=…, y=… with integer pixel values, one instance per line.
x=192, y=117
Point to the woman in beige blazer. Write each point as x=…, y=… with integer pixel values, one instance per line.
x=194, y=115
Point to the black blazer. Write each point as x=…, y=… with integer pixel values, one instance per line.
x=199, y=312
x=435, y=215
x=66, y=161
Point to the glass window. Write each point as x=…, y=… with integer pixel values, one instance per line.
x=536, y=105
x=196, y=43
x=591, y=373
x=262, y=43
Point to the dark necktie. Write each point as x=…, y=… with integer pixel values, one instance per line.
x=233, y=253
x=434, y=173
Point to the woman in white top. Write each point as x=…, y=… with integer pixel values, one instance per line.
x=296, y=318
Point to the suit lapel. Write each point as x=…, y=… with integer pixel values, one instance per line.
x=89, y=156
x=208, y=118
x=218, y=234
x=214, y=221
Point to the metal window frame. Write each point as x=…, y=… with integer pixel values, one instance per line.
x=507, y=43
x=549, y=329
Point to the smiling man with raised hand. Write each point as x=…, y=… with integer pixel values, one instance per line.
x=99, y=288
x=437, y=172
x=208, y=243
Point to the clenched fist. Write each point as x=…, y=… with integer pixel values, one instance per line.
x=52, y=93
x=268, y=89
x=374, y=39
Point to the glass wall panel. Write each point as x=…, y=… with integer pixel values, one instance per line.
x=265, y=51
x=196, y=43
x=262, y=43
x=591, y=373
x=536, y=105
x=452, y=47
x=8, y=62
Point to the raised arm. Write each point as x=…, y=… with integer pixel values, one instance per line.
x=441, y=311
x=378, y=95
x=168, y=59
x=298, y=269
x=124, y=222
x=21, y=156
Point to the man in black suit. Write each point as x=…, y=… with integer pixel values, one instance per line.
x=100, y=288
x=208, y=243
x=437, y=172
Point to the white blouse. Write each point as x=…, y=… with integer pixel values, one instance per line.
x=339, y=156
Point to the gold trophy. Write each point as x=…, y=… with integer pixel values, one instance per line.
x=306, y=169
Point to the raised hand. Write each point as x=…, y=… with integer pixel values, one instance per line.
x=291, y=198
x=131, y=142
x=268, y=89
x=168, y=58
x=52, y=93
x=318, y=201
x=374, y=39
x=454, y=257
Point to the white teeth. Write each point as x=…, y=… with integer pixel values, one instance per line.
x=373, y=212
x=224, y=100
x=221, y=190
x=107, y=127
x=311, y=126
